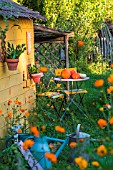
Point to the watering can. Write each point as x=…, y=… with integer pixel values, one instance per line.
x=78, y=137
x=41, y=146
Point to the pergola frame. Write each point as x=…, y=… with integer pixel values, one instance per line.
x=49, y=35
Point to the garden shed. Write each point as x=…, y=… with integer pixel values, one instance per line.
x=16, y=84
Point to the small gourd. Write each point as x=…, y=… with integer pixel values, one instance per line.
x=65, y=74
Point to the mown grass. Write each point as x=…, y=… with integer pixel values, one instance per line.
x=46, y=116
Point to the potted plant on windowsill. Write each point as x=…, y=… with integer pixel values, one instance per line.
x=35, y=73
x=13, y=54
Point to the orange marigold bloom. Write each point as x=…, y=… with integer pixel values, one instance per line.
x=81, y=162
x=58, y=85
x=99, y=83
x=10, y=115
x=110, y=79
x=95, y=163
x=72, y=144
x=101, y=150
x=102, y=123
x=19, y=130
x=27, y=114
x=28, y=144
x=16, y=101
x=22, y=109
x=60, y=129
x=20, y=103
x=35, y=113
x=36, y=62
x=34, y=130
x=111, y=66
x=108, y=106
x=110, y=89
x=43, y=127
x=52, y=157
x=0, y=111
x=52, y=107
x=111, y=121
x=51, y=146
x=9, y=102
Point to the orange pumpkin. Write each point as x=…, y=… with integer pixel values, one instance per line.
x=80, y=43
x=65, y=74
x=75, y=76
x=43, y=69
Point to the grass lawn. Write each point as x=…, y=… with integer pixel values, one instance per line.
x=47, y=118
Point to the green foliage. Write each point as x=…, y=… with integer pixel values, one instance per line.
x=33, y=69
x=14, y=53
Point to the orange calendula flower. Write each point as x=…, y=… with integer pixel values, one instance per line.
x=9, y=102
x=81, y=162
x=51, y=146
x=20, y=103
x=52, y=107
x=101, y=150
x=72, y=144
x=16, y=101
x=111, y=121
x=111, y=66
x=22, y=109
x=60, y=129
x=110, y=79
x=27, y=114
x=28, y=144
x=0, y=111
x=52, y=157
x=61, y=97
x=36, y=62
x=108, y=106
x=34, y=130
x=35, y=113
x=110, y=90
x=43, y=127
x=95, y=163
x=10, y=115
x=58, y=85
x=102, y=123
x=19, y=130
x=99, y=83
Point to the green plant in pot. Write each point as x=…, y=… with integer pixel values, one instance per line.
x=35, y=73
x=13, y=54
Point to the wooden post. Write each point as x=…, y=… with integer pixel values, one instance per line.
x=66, y=56
x=66, y=51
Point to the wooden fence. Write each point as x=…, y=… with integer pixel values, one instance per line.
x=105, y=44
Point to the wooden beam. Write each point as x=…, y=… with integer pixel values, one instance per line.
x=51, y=30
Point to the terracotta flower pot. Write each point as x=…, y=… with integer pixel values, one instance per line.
x=12, y=63
x=36, y=77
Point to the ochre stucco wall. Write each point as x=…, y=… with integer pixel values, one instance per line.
x=11, y=82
